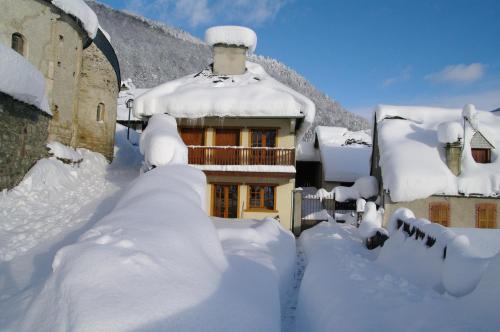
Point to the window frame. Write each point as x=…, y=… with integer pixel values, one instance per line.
x=262, y=206
x=252, y=130
x=433, y=205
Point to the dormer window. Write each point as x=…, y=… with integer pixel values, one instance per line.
x=481, y=148
x=18, y=43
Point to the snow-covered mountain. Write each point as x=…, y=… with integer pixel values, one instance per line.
x=151, y=53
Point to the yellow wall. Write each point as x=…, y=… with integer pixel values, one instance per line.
x=283, y=207
x=462, y=209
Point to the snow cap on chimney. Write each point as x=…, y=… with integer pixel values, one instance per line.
x=231, y=35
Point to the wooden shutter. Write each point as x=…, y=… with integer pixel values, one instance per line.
x=486, y=215
x=193, y=136
x=482, y=156
x=440, y=213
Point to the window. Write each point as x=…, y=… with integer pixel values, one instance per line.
x=261, y=197
x=100, y=112
x=440, y=213
x=486, y=215
x=482, y=156
x=18, y=43
x=263, y=138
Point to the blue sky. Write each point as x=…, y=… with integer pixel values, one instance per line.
x=362, y=53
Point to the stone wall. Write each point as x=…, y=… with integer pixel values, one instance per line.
x=23, y=135
x=53, y=44
x=98, y=85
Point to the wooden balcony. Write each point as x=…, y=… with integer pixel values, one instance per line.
x=229, y=155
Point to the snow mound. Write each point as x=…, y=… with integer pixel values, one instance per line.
x=66, y=153
x=161, y=144
x=264, y=242
x=252, y=94
x=450, y=132
x=231, y=35
x=80, y=10
x=431, y=255
x=371, y=222
x=365, y=187
x=154, y=263
x=21, y=80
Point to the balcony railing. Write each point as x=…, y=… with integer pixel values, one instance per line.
x=233, y=155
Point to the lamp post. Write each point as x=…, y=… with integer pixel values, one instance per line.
x=130, y=105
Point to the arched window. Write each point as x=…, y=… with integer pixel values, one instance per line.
x=100, y=112
x=18, y=43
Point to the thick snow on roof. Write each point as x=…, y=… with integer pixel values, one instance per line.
x=413, y=159
x=253, y=94
x=80, y=10
x=21, y=80
x=345, y=155
x=231, y=35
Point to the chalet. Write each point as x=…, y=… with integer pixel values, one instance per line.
x=240, y=125
x=443, y=164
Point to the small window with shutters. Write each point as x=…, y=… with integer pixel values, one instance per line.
x=261, y=197
x=486, y=215
x=18, y=43
x=440, y=213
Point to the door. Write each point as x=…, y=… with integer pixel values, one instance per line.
x=481, y=156
x=227, y=137
x=194, y=137
x=225, y=201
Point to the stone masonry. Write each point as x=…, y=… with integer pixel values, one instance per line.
x=23, y=135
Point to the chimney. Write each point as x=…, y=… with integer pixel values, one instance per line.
x=454, y=157
x=451, y=135
x=230, y=45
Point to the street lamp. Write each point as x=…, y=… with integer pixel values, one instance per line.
x=130, y=105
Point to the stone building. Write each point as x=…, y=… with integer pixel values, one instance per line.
x=443, y=164
x=65, y=43
x=241, y=127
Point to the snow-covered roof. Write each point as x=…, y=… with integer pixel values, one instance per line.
x=80, y=10
x=231, y=35
x=252, y=94
x=21, y=80
x=345, y=155
x=412, y=158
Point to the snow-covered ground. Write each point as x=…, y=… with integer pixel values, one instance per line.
x=52, y=207
x=345, y=289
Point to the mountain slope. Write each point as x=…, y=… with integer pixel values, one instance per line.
x=151, y=53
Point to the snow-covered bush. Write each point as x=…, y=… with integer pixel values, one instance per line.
x=161, y=144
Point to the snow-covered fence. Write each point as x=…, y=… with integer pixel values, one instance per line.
x=431, y=255
x=317, y=206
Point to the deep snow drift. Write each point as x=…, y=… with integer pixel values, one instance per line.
x=155, y=263
x=345, y=289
